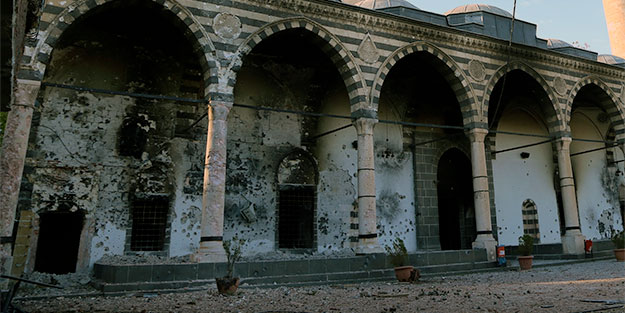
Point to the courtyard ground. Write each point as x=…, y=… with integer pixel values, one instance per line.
x=582, y=287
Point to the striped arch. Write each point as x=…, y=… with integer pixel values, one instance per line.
x=606, y=99
x=326, y=41
x=609, y=153
x=553, y=120
x=37, y=54
x=450, y=71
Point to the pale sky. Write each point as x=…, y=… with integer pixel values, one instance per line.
x=568, y=20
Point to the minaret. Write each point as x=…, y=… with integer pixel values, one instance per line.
x=615, y=18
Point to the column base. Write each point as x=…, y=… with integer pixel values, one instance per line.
x=489, y=243
x=368, y=246
x=573, y=242
x=210, y=252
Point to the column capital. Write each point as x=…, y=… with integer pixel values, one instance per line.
x=219, y=109
x=477, y=134
x=364, y=125
x=25, y=92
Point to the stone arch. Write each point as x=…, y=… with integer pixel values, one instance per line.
x=607, y=100
x=197, y=35
x=329, y=44
x=553, y=120
x=448, y=68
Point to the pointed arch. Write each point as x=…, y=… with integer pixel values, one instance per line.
x=553, y=116
x=448, y=68
x=607, y=100
x=42, y=49
x=337, y=52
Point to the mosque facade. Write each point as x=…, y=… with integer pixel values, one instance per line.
x=163, y=127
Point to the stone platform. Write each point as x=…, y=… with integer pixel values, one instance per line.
x=374, y=267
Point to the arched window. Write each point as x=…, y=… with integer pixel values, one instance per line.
x=530, y=220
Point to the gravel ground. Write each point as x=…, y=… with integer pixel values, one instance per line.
x=552, y=289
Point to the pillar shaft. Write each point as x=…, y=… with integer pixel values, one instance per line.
x=573, y=240
x=367, y=220
x=481, y=195
x=214, y=189
x=13, y=154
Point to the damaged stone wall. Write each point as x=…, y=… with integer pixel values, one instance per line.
x=596, y=184
x=258, y=141
x=97, y=153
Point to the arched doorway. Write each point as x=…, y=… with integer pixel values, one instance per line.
x=456, y=214
x=58, y=242
x=297, y=186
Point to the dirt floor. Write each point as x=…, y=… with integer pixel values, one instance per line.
x=565, y=288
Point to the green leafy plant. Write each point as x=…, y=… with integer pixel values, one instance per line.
x=398, y=253
x=618, y=239
x=526, y=245
x=233, y=252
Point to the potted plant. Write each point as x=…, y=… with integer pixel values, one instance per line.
x=399, y=258
x=526, y=247
x=619, y=245
x=228, y=285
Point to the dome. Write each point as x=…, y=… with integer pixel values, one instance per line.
x=557, y=43
x=469, y=8
x=610, y=59
x=381, y=4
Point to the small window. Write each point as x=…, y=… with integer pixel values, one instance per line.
x=530, y=220
x=149, y=224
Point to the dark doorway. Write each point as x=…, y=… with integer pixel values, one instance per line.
x=456, y=214
x=59, y=238
x=296, y=219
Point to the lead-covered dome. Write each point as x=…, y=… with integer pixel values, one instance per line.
x=469, y=8
x=381, y=4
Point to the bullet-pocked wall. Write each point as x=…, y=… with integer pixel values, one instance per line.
x=417, y=90
x=106, y=155
x=596, y=181
x=524, y=175
x=290, y=71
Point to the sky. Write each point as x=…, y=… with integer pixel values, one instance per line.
x=569, y=20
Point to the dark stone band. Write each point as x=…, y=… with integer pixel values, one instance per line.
x=368, y=236
x=6, y=239
x=211, y=238
x=484, y=232
x=572, y=228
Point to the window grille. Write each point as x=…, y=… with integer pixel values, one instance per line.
x=149, y=223
x=296, y=217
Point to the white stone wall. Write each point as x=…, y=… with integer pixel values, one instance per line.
x=517, y=180
x=596, y=185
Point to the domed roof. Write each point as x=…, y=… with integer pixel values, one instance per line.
x=381, y=4
x=557, y=43
x=479, y=8
x=610, y=59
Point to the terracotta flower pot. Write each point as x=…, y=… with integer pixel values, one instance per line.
x=407, y=273
x=620, y=255
x=227, y=285
x=525, y=261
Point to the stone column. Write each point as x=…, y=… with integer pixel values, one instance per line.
x=573, y=240
x=12, y=155
x=481, y=195
x=214, y=191
x=367, y=220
